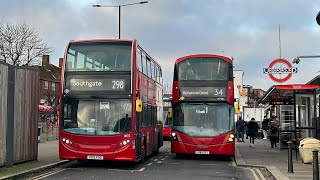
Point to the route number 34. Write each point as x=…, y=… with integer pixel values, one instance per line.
x=117, y=84
x=218, y=92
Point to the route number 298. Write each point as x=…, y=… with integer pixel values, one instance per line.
x=117, y=84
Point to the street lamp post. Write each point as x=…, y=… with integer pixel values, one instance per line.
x=318, y=18
x=297, y=59
x=119, y=7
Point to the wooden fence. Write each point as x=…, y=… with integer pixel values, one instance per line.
x=19, y=90
x=3, y=112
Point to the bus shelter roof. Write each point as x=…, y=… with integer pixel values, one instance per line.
x=286, y=91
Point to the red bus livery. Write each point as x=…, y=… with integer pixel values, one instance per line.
x=111, y=101
x=167, y=116
x=202, y=105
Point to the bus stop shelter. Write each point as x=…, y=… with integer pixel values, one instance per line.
x=297, y=109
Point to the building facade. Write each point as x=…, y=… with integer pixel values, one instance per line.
x=238, y=85
x=49, y=82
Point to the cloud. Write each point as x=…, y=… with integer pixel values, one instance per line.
x=166, y=29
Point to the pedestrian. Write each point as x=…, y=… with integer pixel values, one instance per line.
x=273, y=131
x=240, y=124
x=252, y=130
x=265, y=123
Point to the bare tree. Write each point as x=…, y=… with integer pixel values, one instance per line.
x=21, y=45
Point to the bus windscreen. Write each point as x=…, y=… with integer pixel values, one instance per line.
x=203, y=119
x=96, y=117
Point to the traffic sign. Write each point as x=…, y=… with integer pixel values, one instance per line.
x=288, y=70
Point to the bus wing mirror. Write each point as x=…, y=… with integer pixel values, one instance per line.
x=170, y=112
x=139, y=105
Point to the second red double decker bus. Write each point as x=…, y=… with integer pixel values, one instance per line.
x=111, y=101
x=167, y=116
x=203, y=105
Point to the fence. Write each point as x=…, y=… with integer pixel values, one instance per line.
x=19, y=98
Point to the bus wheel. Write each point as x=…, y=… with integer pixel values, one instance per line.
x=143, y=154
x=179, y=156
x=158, y=146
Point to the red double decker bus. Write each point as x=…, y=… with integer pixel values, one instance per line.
x=167, y=116
x=203, y=105
x=111, y=101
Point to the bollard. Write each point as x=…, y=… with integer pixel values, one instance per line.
x=290, y=163
x=39, y=134
x=315, y=165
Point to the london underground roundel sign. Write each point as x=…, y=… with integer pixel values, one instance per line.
x=280, y=67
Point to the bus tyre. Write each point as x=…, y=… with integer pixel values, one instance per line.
x=158, y=145
x=179, y=156
x=143, y=154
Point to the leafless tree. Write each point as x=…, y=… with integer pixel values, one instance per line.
x=21, y=45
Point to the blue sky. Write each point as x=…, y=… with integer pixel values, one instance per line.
x=167, y=29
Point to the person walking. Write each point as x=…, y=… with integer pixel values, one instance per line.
x=265, y=123
x=240, y=124
x=252, y=130
x=273, y=131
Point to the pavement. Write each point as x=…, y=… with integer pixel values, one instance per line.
x=274, y=159
x=48, y=157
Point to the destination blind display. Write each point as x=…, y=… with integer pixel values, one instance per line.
x=215, y=92
x=97, y=84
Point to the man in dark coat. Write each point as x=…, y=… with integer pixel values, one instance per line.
x=252, y=130
x=265, y=123
x=240, y=124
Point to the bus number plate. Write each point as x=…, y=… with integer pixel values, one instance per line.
x=94, y=157
x=202, y=152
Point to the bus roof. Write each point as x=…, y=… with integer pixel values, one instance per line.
x=101, y=40
x=112, y=40
x=227, y=59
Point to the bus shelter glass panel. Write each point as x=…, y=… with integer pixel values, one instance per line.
x=287, y=118
x=305, y=115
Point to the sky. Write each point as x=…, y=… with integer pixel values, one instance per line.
x=247, y=30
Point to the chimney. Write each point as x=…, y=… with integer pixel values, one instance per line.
x=60, y=62
x=45, y=60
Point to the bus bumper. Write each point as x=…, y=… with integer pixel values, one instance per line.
x=78, y=152
x=227, y=149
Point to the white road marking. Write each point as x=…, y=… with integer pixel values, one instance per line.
x=162, y=159
x=149, y=164
x=159, y=162
x=141, y=169
x=155, y=160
